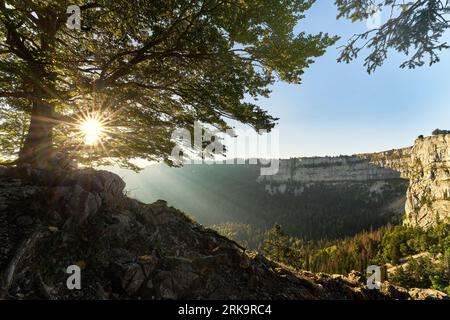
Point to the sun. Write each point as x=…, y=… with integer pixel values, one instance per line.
x=92, y=129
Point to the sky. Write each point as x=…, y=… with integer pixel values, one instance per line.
x=340, y=109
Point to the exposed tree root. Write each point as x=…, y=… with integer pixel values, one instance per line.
x=25, y=248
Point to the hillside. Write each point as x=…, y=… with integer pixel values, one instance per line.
x=126, y=249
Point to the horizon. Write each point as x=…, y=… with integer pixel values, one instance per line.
x=144, y=163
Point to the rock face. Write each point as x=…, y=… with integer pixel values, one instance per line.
x=428, y=198
x=130, y=250
x=380, y=186
x=330, y=169
x=426, y=165
x=398, y=160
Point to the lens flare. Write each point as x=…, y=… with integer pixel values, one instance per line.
x=92, y=129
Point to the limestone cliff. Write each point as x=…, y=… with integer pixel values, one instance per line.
x=426, y=165
x=397, y=159
x=330, y=169
x=370, y=184
x=428, y=198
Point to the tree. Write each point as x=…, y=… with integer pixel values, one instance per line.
x=439, y=131
x=14, y=125
x=414, y=28
x=145, y=68
x=279, y=247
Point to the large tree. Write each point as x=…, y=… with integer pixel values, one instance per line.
x=145, y=68
x=414, y=28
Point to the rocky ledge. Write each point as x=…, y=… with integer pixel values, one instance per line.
x=125, y=249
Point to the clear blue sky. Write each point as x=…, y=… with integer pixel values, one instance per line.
x=340, y=109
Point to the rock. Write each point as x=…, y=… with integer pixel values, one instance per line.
x=428, y=197
x=166, y=286
x=182, y=279
x=36, y=176
x=130, y=277
x=25, y=221
x=94, y=181
x=121, y=255
x=328, y=169
x=148, y=264
x=124, y=227
x=245, y=262
x=61, y=161
x=394, y=292
x=74, y=204
x=5, y=245
x=426, y=294
x=356, y=277
x=166, y=292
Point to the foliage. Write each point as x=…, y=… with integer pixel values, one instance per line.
x=245, y=234
x=394, y=245
x=423, y=273
x=280, y=247
x=14, y=125
x=439, y=131
x=148, y=67
x=415, y=28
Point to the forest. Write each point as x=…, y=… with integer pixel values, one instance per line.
x=388, y=246
x=217, y=194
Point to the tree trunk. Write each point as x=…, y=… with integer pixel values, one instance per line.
x=37, y=147
x=38, y=142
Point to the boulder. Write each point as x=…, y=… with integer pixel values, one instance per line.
x=356, y=277
x=426, y=294
x=130, y=277
x=73, y=204
x=61, y=161
x=96, y=181
x=393, y=292
x=36, y=176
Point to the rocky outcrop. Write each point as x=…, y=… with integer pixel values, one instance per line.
x=426, y=294
x=130, y=250
x=428, y=198
x=397, y=159
x=427, y=167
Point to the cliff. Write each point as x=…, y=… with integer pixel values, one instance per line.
x=426, y=165
x=125, y=249
x=366, y=184
x=330, y=169
x=397, y=159
x=428, y=197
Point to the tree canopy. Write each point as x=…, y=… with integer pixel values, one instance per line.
x=414, y=28
x=145, y=68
